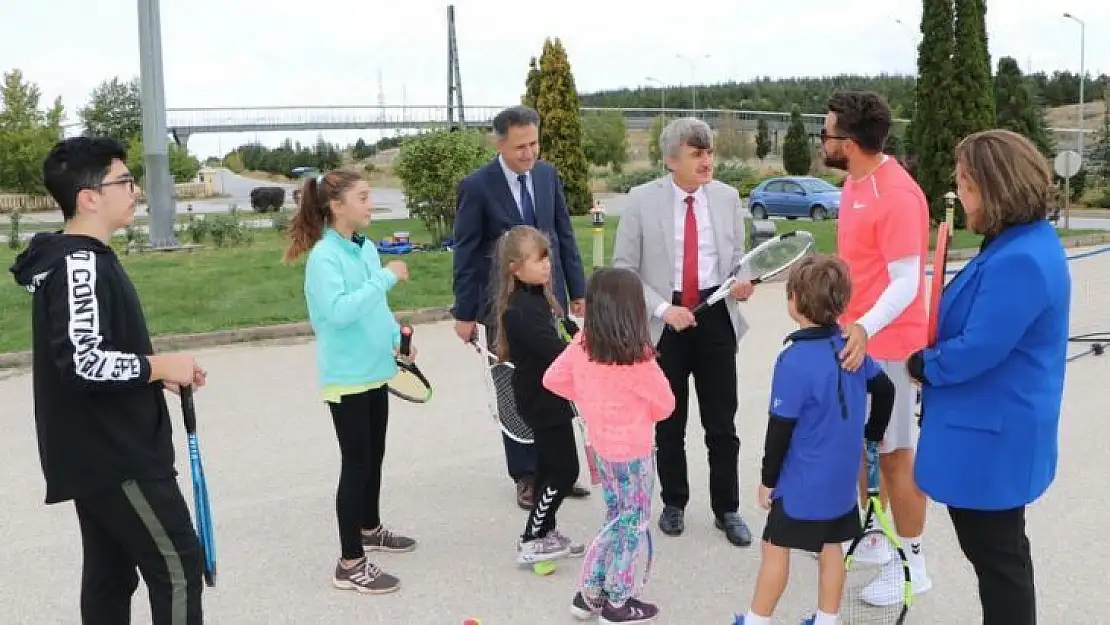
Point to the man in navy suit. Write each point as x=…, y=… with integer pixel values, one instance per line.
x=513, y=189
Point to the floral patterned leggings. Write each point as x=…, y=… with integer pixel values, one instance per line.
x=608, y=567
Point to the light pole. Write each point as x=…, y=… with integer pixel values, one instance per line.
x=662, y=90
x=692, y=62
x=1082, y=73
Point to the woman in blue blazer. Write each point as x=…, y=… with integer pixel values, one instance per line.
x=992, y=384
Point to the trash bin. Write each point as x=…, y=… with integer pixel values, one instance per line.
x=761, y=230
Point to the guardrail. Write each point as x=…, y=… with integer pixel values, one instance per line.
x=27, y=203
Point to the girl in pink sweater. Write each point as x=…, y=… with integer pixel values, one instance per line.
x=610, y=371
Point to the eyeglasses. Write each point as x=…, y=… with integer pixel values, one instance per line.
x=128, y=182
x=825, y=136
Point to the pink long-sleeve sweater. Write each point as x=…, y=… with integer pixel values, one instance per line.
x=619, y=403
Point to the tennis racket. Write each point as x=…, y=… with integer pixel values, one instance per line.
x=499, y=383
x=940, y=266
x=767, y=260
x=409, y=384
x=885, y=607
x=201, y=508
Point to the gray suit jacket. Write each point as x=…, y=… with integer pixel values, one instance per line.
x=646, y=240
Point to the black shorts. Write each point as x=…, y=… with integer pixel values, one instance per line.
x=783, y=531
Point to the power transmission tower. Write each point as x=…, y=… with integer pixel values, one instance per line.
x=454, y=77
x=381, y=97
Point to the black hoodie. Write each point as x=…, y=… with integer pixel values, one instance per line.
x=100, y=421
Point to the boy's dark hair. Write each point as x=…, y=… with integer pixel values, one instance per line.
x=616, y=318
x=76, y=164
x=864, y=116
x=820, y=287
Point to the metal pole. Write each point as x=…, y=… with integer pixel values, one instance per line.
x=1082, y=79
x=1082, y=74
x=158, y=184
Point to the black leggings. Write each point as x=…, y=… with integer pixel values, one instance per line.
x=556, y=474
x=360, y=424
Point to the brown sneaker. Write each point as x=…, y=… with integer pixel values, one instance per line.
x=382, y=539
x=526, y=492
x=365, y=577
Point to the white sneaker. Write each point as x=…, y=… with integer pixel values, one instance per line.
x=886, y=588
x=873, y=550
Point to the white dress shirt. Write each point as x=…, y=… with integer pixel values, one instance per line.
x=514, y=185
x=707, y=246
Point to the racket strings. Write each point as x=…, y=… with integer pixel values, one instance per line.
x=408, y=384
x=875, y=584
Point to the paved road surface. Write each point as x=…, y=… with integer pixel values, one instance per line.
x=272, y=462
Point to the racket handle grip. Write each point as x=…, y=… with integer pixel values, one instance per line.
x=406, y=340
x=188, y=408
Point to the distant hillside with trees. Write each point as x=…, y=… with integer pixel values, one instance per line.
x=810, y=94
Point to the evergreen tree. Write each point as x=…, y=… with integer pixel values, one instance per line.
x=531, y=85
x=934, y=139
x=762, y=139
x=561, y=126
x=1098, y=155
x=654, y=132
x=971, y=67
x=796, y=157
x=1016, y=107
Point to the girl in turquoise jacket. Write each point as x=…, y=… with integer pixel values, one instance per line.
x=357, y=336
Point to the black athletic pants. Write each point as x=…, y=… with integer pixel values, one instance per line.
x=708, y=352
x=360, y=425
x=556, y=474
x=995, y=543
x=139, y=527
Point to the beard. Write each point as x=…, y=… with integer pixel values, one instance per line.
x=836, y=161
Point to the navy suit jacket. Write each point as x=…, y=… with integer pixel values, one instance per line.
x=995, y=379
x=486, y=210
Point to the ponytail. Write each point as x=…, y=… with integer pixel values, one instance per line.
x=314, y=209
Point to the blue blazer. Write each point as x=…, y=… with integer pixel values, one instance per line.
x=486, y=210
x=995, y=379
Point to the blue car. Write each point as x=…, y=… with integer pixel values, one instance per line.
x=793, y=197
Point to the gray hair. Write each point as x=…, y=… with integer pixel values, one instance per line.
x=685, y=131
x=512, y=117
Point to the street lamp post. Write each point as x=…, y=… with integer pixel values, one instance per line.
x=1082, y=73
x=692, y=62
x=662, y=90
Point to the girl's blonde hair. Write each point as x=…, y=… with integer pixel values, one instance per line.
x=513, y=249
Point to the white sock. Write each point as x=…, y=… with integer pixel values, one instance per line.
x=751, y=618
x=824, y=618
x=914, y=553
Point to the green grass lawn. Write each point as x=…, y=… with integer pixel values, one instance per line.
x=216, y=289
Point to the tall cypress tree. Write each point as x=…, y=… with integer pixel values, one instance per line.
x=972, y=72
x=972, y=66
x=531, y=84
x=796, y=151
x=561, y=126
x=1016, y=107
x=933, y=139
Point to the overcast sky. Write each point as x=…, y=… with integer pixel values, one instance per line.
x=286, y=52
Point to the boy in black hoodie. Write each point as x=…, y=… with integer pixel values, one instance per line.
x=103, y=426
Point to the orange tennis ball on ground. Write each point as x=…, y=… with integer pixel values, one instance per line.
x=472, y=621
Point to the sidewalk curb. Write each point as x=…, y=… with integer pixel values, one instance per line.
x=201, y=340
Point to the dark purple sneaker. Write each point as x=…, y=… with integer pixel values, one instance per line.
x=633, y=612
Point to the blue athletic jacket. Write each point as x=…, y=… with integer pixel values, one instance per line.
x=993, y=384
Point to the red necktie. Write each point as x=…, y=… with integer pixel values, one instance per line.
x=690, y=257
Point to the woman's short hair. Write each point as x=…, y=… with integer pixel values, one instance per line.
x=1012, y=177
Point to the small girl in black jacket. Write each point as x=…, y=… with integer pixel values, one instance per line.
x=528, y=336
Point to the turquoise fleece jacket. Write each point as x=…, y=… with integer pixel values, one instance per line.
x=345, y=287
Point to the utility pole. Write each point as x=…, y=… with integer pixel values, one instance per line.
x=454, y=76
x=158, y=183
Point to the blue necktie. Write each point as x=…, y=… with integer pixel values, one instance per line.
x=526, y=205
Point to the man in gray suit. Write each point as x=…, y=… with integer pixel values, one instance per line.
x=683, y=233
